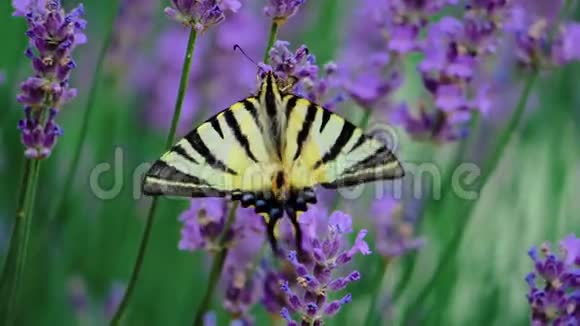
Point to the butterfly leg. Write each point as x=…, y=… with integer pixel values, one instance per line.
x=292, y=214
x=270, y=227
x=275, y=213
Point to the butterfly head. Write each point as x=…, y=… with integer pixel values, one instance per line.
x=283, y=83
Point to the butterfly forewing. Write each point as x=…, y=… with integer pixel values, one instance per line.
x=224, y=154
x=323, y=148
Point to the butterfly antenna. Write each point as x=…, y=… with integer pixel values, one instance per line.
x=239, y=48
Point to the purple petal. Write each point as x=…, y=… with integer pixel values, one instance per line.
x=341, y=221
x=571, y=248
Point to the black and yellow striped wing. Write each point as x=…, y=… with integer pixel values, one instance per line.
x=324, y=148
x=225, y=154
x=270, y=151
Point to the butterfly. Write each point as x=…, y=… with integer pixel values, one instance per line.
x=269, y=151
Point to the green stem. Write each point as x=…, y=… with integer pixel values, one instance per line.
x=271, y=40
x=86, y=119
x=23, y=232
x=12, y=249
x=434, y=203
x=216, y=267
x=376, y=291
x=489, y=168
x=184, y=81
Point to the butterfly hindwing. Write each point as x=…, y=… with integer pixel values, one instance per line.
x=223, y=155
x=326, y=149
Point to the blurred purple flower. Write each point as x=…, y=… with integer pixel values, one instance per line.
x=210, y=319
x=314, y=272
x=200, y=14
x=530, y=31
x=53, y=34
x=281, y=10
x=567, y=45
x=78, y=296
x=132, y=27
x=113, y=299
x=23, y=7
x=540, y=38
x=156, y=76
x=432, y=125
x=203, y=223
x=156, y=79
x=240, y=279
x=394, y=235
x=455, y=51
x=554, y=294
x=407, y=18
x=370, y=69
x=371, y=86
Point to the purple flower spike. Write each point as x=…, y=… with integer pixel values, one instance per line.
x=333, y=307
x=306, y=293
x=53, y=34
x=571, y=247
x=281, y=10
x=202, y=224
x=554, y=284
x=567, y=46
x=299, y=70
x=341, y=282
x=200, y=14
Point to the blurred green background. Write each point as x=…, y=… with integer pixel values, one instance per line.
x=90, y=248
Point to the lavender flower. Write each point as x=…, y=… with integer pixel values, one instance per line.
x=23, y=7
x=314, y=278
x=132, y=27
x=281, y=10
x=370, y=65
x=203, y=223
x=205, y=95
x=530, y=30
x=555, y=284
x=155, y=79
x=53, y=35
x=567, y=46
x=200, y=14
x=299, y=69
x=408, y=17
x=394, y=233
x=454, y=54
x=541, y=40
x=240, y=278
